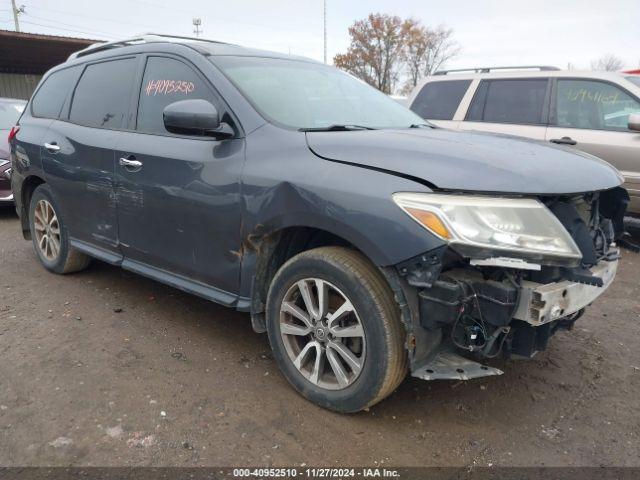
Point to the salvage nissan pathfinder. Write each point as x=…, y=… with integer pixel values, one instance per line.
x=365, y=242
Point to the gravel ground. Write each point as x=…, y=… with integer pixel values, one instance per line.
x=108, y=368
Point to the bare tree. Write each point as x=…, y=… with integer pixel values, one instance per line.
x=608, y=63
x=426, y=50
x=374, y=54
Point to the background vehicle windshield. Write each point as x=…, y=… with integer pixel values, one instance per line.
x=9, y=114
x=302, y=94
x=634, y=79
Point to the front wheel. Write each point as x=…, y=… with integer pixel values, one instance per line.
x=335, y=329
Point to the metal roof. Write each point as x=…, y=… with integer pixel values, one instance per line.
x=34, y=53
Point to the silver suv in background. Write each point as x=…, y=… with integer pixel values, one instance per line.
x=596, y=112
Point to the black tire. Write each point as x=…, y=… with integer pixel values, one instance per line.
x=67, y=259
x=385, y=363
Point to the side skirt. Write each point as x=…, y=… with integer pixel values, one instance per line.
x=207, y=292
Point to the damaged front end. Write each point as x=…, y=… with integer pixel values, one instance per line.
x=513, y=272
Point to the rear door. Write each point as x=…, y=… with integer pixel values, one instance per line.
x=592, y=116
x=78, y=153
x=45, y=106
x=179, y=211
x=438, y=101
x=513, y=106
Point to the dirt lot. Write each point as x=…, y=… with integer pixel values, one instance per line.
x=109, y=368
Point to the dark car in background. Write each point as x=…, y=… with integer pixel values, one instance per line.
x=10, y=111
x=363, y=241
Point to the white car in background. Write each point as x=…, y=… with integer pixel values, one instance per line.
x=596, y=112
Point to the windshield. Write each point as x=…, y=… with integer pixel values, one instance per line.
x=307, y=95
x=9, y=114
x=634, y=79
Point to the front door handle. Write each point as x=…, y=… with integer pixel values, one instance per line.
x=564, y=141
x=131, y=163
x=52, y=147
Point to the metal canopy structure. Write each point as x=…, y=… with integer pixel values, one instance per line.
x=31, y=53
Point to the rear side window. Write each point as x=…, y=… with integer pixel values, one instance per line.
x=165, y=81
x=102, y=96
x=50, y=97
x=509, y=101
x=440, y=100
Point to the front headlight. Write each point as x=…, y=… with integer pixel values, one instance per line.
x=483, y=226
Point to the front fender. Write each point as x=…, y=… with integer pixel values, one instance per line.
x=351, y=202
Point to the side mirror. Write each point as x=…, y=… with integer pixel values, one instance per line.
x=195, y=117
x=634, y=122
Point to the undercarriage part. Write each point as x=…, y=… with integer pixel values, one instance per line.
x=447, y=365
x=528, y=340
x=467, y=292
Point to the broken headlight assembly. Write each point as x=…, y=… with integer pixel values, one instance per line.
x=478, y=226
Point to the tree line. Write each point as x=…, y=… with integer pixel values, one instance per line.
x=387, y=51
x=392, y=54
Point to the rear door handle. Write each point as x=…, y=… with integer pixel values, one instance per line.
x=52, y=147
x=130, y=163
x=564, y=141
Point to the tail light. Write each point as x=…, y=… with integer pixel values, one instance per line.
x=12, y=134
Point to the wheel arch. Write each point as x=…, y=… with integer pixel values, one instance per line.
x=272, y=250
x=29, y=185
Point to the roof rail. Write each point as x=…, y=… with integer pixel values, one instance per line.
x=542, y=68
x=138, y=39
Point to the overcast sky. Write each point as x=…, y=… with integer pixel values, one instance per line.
x=490, y=32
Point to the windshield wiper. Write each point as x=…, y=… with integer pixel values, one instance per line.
x=422, y=125
x=336, y=128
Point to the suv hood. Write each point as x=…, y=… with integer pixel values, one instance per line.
x=469, y=161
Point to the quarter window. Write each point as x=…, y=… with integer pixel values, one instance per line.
x=102, y=96
x=518, y=101
x=593, y=105
x=166, y=81
x=440, y=100
x=50, y=97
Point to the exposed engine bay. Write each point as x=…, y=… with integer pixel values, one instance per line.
x=482, y=307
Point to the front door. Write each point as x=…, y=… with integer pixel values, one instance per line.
x=592, y=116
x=178, y=196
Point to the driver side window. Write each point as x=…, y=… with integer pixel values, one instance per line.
x=593, y=105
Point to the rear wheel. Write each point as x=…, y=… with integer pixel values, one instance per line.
x=50, y=237
x=335, y=330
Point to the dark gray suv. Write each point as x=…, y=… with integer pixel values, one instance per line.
x=365, y=242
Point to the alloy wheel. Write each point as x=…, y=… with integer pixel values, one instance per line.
x=322, y=333
x=47, y=230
